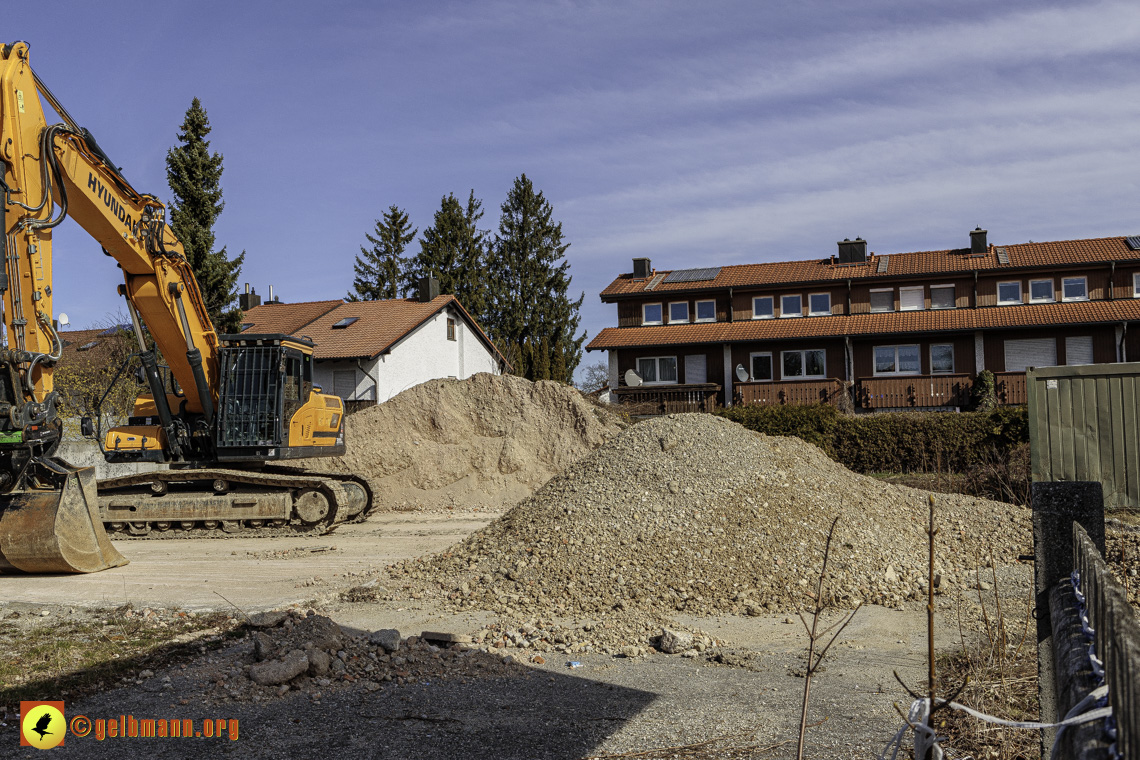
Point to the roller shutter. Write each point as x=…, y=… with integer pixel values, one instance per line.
x=1079, y=350
x=695, y=370
x=1030, y=352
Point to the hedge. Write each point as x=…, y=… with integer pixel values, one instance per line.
x=894, y=442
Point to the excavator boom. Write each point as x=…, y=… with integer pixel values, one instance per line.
x=234, y=404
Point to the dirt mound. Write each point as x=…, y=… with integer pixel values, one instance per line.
x=487, y=441
x=696, y=514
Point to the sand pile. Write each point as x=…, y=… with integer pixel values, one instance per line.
x=696, y=514
x=487, y=441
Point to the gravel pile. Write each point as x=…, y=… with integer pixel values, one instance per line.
x=695, y=514
x=487, y=441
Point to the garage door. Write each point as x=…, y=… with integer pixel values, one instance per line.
x=1031, y=352
x=1078, y=350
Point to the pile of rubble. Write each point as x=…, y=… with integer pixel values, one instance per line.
x=293, y=650
x=695, y=514
x=487, y=441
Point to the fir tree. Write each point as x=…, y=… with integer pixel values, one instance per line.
x=454, y=250
x=380, y=269
x=194, y=176
x=531, y=316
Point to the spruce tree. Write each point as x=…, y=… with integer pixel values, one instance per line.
x=531, y=317
x=194, y=176
x=380, y=269
x=454, y=250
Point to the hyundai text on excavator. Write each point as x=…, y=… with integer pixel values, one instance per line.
x=219, y=413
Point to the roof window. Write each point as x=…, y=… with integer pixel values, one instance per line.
x=340, y=325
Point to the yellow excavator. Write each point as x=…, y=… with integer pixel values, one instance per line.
x=220, y=412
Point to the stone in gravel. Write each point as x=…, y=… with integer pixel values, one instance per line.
x=274, y=672
x=445, y=638
x=270, y=619
x=263, y=647
x=388, y=638
x=318, y=629
x=319, y=662
x=674, y=642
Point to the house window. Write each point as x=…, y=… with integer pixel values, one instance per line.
x=897, y=360
x=696, y=369
x=1136, y=285
x=761, y=365
x=1079, y=350
x=679, y=311
x=819, y=304
x=450, y=328
x=911, y=299
x=657, y=369
x=706, y=311
x=790, y=306
x=1030, y=352
x=651, y=314
x=344, y=383
x=804, y=364
x=762, y=307
x=942, y=297
x=1040, y=291
x=883, y=299
x=1009, y=292
x=942, y=358
x=1074, y=289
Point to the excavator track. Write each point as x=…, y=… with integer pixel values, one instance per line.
x=225, y=503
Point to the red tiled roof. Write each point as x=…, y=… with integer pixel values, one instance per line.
x=939, y=320
x=1057, y=253
x=379, y=326
x=286, y=318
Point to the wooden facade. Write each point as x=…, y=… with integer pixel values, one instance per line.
x=961, y=311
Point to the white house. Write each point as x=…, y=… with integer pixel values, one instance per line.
x=368, y=351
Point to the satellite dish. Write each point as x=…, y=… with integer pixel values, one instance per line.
x=632, y=379
x=63, y=320
x=741, y=373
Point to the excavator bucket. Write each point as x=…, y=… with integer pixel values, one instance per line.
x=56, y=531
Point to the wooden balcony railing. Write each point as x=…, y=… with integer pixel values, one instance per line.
x=795, y=393
x=669, y=399
x=1010, y=388
x=915, y=391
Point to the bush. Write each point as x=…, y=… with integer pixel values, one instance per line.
x=895, y=442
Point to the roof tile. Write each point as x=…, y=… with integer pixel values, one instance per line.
x=1026, y=315
x=898, y=265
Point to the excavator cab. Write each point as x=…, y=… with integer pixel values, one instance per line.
x=268, y=406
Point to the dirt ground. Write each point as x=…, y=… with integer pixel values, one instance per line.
x=523, y=710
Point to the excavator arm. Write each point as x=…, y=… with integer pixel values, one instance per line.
x=48, y=173
x=241, y=404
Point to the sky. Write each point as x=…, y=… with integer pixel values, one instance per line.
x=693, y=134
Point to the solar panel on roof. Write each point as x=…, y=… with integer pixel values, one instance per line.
x=1133, y=242
x=692, y=275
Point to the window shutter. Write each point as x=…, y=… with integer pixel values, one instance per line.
x=1079, y=350
x=695, y=371
x=1031, y=352
x=344, y=383
x=910, y=298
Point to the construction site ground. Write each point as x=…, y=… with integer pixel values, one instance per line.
x=503, y=704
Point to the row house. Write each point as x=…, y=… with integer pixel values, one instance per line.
x=897, y=331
